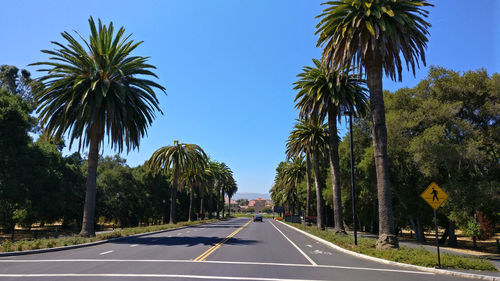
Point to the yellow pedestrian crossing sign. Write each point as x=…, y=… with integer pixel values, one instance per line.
x=434, y=195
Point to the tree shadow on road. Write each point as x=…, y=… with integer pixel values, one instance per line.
x=188, y=241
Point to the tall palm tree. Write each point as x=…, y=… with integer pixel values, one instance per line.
x=91, y=92
x=230, y=191
x=222, y=174
x=298, y=149
x=311, y=134
x=206, y=182
x=180, y=157
x=325, y=93
x=373, y=34
x=293, y=175
x=193, y=177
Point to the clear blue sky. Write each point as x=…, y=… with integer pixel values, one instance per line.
x=228, y=65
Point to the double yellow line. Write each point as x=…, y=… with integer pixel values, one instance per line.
x=212, y=249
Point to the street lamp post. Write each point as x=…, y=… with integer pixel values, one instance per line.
x=353, y=189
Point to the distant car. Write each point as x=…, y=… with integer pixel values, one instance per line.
x=257, y=217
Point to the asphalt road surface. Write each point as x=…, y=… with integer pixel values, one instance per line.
x=236, y=249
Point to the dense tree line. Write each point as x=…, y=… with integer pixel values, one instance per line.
x=445, y=129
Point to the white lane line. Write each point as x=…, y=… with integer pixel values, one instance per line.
x=152, y=276
x=297, y=247
x=107, y=252
x=179, y=233
x=310, y=246
x=135, y=245
x=221, y=262
x=188, y=231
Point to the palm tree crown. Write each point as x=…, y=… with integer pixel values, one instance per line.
x=357, y=30
x=96, y=90
x=180, y=157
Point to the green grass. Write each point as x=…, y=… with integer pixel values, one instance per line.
x=415, y=256
x=23, y=245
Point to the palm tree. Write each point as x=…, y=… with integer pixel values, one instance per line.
x=179, y=157
x=222, y=175
x=373, y=34
x=194, y=177
x=293, y=175
x=88, y=93
x=206, y=181
x=311, y=134
x=229, y=188
x=296, y=149
x=230, y=191
x=325, y=93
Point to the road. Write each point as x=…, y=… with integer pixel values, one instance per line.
x=236, y=249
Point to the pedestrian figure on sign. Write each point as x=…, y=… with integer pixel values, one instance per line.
x=434, y=194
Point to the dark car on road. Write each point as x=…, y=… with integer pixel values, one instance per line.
x=257, y=217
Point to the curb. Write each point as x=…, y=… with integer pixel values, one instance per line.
x=410, y=266
x=62, y=248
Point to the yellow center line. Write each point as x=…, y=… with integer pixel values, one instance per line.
x=212, y=249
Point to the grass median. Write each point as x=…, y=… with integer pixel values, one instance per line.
x=44, y=243
x=415, y=256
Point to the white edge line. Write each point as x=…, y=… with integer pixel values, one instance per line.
x=298, y=249
x=107, y=252
x=152, y=276
x=134, y=245
x=223, y=262
x=422, y=268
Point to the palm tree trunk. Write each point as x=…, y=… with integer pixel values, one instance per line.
x=386, y=239
x=223, y=205
x=319, y=196
x=217, y=205
x=335, y=170
x=89, y=209
x=173, y=195
x=191, y=191
x=229, y=207
x=210, y=203
x=308, y=183
x=202, y=201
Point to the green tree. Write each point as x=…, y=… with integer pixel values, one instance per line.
x=179, y=158
x=325, y=93
x=89, y=93
x=373, y=34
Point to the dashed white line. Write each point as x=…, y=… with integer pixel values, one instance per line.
x=297, y=247
x=135, y=245
x=107, y=252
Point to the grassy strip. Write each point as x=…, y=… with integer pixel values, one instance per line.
x=8, y=246
x=415, y=256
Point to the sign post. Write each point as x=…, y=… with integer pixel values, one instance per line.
x=435, y=196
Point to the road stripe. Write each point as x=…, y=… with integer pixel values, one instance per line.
x=219, y=262
x=208, y=252
x=107, y=252
x=134, y=245
x=297, y=247
x=152, y=276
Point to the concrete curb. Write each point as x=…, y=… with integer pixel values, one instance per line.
x=410, y=266
x=29, y=252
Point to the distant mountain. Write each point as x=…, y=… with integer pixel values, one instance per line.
x=250, y=195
